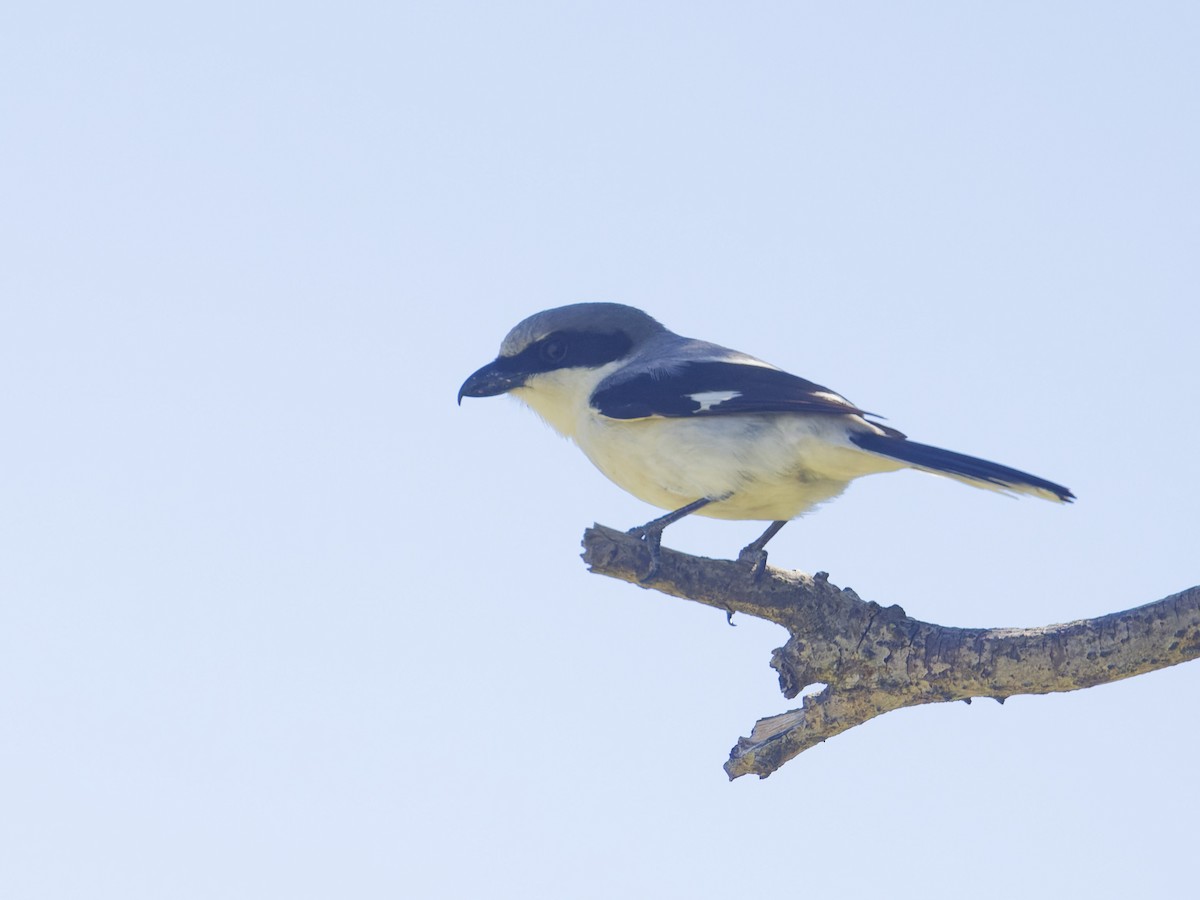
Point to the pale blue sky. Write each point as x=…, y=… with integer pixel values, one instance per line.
x=278, y=620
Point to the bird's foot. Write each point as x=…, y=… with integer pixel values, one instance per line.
x=755, y=560
x=651, y=532
x=754, y=556
x=651, y=536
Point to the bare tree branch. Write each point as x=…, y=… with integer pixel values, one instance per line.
x=872, y=659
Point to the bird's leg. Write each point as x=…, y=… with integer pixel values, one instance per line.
x=753, y=553
x=652, y=531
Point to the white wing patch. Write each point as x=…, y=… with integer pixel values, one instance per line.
x=709, y=399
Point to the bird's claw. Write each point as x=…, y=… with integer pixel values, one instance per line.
x=754, y=558
x=652, y=538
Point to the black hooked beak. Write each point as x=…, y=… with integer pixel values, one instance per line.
x=493, y=379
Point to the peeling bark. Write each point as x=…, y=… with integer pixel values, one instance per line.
x=873, y=659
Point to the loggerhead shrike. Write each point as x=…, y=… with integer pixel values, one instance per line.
x=694, y=427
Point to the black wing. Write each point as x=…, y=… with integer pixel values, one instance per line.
x=716, y=389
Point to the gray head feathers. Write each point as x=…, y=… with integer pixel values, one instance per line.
x=594, y=318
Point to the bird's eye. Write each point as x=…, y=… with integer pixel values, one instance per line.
x=553, y=350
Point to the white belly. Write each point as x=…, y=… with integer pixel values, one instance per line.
x=772, y=467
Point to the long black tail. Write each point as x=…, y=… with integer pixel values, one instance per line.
x=979, y=472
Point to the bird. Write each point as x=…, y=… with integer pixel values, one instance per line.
x=693, y=427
